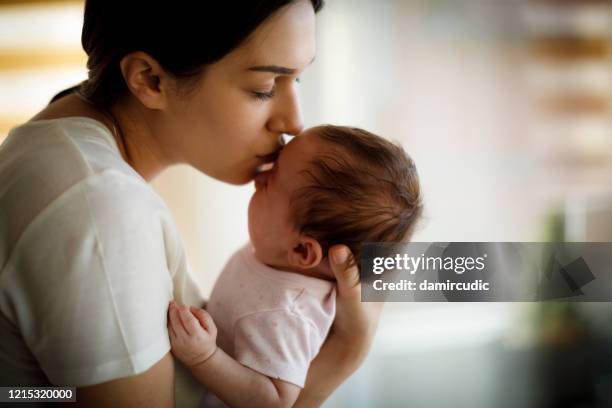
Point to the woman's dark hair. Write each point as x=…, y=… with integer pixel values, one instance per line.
x=182, y=35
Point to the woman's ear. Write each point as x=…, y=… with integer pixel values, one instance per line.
x=306, y=254
x=145, y=79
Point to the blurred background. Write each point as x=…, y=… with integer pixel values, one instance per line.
x=506, y=107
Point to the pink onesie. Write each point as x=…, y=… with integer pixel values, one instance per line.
x=271, y=320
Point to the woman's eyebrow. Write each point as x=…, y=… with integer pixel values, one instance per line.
x=276, y=69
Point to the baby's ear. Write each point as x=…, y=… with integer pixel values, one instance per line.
x=306, y=254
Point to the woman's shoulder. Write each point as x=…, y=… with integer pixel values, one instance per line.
x=40, y=160
x=76, y=144
x=55, y=168
x=67, y=136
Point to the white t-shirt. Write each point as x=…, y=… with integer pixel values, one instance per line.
x=89, y=259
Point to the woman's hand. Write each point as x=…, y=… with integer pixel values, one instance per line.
x=356, y=322
x=193, y=334
x=350, y=337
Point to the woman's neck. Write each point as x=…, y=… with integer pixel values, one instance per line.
x=137, y=139
x=127, y=123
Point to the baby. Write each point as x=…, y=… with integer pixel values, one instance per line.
x=274, y=302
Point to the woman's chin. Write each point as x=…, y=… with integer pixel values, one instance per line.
x=237, y=179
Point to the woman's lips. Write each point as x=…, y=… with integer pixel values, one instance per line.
x=267, y=161
x=269, y=158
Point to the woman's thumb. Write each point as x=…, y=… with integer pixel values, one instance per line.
x=347, y=275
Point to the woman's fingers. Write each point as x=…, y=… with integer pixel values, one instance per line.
x=205, y=320
x=354, y=319
x=347, y=277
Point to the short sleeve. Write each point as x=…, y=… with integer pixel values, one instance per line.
x=90, y=282
x=278, y=344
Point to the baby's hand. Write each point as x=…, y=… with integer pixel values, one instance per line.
x=193, y=334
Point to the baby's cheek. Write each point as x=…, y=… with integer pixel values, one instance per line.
x=270, y=246
x=253, y=220
x=262, y=249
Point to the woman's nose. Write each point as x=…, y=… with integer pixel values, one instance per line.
x=295, y=125
x=287, y=118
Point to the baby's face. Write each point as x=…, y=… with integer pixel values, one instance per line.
x=271, y=229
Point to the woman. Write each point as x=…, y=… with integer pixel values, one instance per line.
x=90, y=256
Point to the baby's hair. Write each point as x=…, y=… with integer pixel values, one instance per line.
x=362, y=188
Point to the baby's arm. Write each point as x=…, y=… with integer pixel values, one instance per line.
x=193, y=336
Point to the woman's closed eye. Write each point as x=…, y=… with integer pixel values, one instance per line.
x=265, y=95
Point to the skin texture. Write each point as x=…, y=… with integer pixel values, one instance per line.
x=223, y=128
x=152, y=388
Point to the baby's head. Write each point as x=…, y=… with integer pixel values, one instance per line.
x=332, y=185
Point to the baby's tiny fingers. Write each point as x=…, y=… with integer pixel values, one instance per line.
x=205, y=320
x=176, y=323
x=171, y=331
x=189, y=322
x=169, y=325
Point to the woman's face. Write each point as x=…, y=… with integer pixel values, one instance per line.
x=233, y=118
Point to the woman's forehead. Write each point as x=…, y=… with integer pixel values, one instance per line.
x=287, y=39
